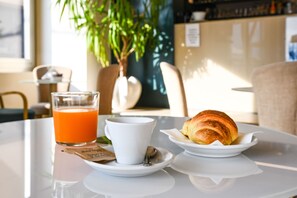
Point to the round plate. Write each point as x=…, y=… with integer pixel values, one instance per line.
x=122, y=170
x=213, y=150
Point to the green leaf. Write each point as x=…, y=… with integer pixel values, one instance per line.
x=103, y=140
x=116, y=25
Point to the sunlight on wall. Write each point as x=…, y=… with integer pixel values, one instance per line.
x=69, y=49
x=228, y=53
x=213, y=90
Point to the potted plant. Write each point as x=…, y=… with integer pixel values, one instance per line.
x=120, y=26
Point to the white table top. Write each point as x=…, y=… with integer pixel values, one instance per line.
x=45, y=81
x=30, y=166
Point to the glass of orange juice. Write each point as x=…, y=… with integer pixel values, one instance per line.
x=75, y=117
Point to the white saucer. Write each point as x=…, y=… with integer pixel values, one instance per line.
x=122, y=170
x=213, y=150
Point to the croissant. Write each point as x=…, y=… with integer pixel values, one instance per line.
x=210, y=125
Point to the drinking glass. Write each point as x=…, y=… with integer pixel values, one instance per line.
x=75, y=117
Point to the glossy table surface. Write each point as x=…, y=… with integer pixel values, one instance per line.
x=31, y=165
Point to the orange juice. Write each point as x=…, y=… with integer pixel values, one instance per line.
x=75, y=125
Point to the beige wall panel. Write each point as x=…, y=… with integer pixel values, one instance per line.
x=8, y=65
x=229, y=51
x=12, y=82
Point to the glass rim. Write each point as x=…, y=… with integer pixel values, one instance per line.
x=130, y=120
x=75, y=93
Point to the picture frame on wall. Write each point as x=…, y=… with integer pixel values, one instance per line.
x=16, y=34
x=11, y=31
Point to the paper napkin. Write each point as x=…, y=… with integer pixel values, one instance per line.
x=243, y=138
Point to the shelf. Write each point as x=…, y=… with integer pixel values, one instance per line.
x=234, y=9
x=202, y=2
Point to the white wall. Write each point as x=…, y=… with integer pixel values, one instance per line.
x=228, y=53
x=13, y=81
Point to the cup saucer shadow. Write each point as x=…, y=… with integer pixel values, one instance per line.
x=214, y=173
x=156, y=183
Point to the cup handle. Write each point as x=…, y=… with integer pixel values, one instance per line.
x=106, y=131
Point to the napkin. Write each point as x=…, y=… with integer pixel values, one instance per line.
x=95, y=153
x=243, y=138
x=52, y=74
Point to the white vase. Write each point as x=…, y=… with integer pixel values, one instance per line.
x=126, y=93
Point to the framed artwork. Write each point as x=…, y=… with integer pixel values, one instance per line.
x=16, y=29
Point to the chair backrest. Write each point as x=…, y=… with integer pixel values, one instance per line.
x=43, y=89
x=13, y=114
x=105, y=84
x=175, y=89
x=275, y=88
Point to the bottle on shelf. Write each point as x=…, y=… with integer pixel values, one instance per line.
x=272, y=10
x=288, y=7
x=279, y=7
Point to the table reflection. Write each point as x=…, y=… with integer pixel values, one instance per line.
x=209, y=174
x=68, y=171
x=156, y=183
x=68, y=168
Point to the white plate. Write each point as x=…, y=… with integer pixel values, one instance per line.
x=122, y=170
x=213, y=150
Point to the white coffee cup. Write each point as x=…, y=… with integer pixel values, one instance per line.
x=130, y=137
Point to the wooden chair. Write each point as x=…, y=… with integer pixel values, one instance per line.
x=175, y=90
x=14, y=114
x=105, y=84
x=42, y=108
x=275, y=89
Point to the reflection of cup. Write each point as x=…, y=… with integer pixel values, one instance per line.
x=154, y=184
x=75, y=117
x=130, y=137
